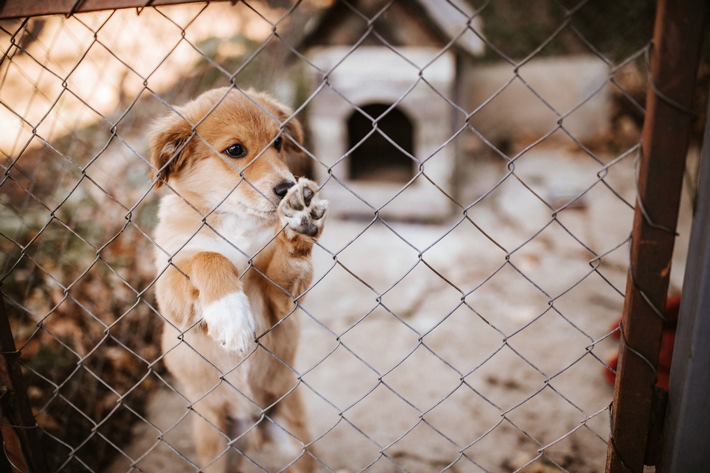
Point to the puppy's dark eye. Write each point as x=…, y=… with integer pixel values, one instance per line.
x=236, y=151
x=278, y=142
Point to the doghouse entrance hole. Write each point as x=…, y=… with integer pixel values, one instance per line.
x=377, y=159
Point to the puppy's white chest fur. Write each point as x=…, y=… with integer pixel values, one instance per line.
x=240, y=237
x=237, y=237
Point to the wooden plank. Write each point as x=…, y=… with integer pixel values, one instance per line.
x=27, y=8
x=666, y=134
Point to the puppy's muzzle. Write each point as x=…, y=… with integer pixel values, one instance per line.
x=282, y=188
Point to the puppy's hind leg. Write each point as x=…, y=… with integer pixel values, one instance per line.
x=291, y=434
x=211, y=444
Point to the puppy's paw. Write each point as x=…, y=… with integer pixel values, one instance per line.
x=230, y=322
x=302, y=211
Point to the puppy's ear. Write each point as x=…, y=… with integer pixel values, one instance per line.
x=294, y=134
x=293, y=130
x=171, y=144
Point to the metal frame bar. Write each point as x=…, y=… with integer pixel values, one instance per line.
x=674, y=63
x=21, y=435
x=688, y=421
x=25, y=8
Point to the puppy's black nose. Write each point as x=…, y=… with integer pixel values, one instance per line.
x=282, y=188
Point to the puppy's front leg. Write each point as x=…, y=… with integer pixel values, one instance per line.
x=302, y=213
x=225, y=307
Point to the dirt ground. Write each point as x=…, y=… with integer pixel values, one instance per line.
x=476, y=345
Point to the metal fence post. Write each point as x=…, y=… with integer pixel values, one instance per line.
x=20, y=434
x=673, y=61
x=688, y=420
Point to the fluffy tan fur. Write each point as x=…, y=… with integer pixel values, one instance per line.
x=234, y=253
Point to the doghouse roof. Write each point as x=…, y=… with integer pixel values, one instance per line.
x=404, y=23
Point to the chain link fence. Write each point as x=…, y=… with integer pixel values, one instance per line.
x=479, y=159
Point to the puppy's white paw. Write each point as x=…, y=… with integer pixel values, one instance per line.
x=230, y=322
x=302, y=211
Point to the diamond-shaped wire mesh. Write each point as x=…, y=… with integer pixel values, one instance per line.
x=479, y=162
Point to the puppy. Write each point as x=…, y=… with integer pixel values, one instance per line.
x=233, y=258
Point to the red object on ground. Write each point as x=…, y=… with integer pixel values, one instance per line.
x=667, y=342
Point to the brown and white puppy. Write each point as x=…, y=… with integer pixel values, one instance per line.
x=233, y=256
